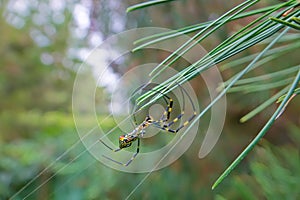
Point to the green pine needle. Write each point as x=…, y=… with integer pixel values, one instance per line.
x=146, y=4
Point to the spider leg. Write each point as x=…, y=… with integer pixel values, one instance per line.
x=114, y=150
x=166, y=126
x=174, y=120
x=130, y=160
x=162, y=124
x=135, y=154
x=166, y=115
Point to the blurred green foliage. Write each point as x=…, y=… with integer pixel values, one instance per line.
x=273, y=172
x=36, y=124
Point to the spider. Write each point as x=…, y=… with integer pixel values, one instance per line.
x=163, y=123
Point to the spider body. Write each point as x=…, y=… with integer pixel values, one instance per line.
x=127, y=139
x=163, y=123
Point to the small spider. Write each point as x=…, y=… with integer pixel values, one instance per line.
x=163, y=123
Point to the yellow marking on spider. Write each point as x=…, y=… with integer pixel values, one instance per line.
x=170, y=110
x=185, y=123
x=166, y=129
x=175, y=120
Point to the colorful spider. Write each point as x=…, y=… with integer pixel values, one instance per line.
x=163, y=123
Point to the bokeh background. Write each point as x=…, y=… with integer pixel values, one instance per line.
x=43, y=43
